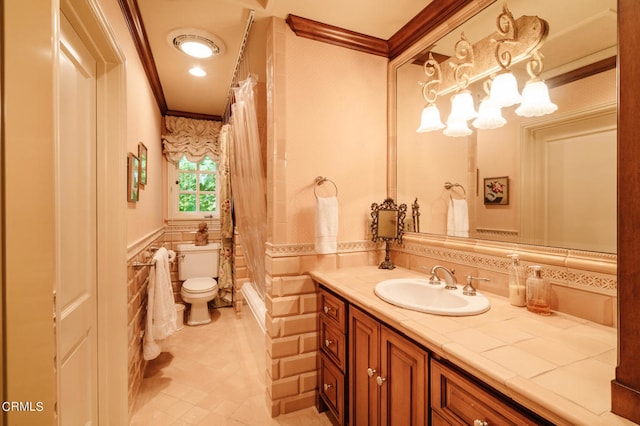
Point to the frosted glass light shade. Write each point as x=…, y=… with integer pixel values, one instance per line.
x=504, y=90
x=456, y=127
x=535, y=100
x=462, y=106
x=430, y=120
x=489, y=116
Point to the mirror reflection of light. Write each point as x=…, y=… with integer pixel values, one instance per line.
x=430, y=120
x=504, y=90
x=197, y=72
x=535, y=100
x=489, y=116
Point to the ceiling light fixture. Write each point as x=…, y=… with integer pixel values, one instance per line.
x=197, y=72
x=196, y=43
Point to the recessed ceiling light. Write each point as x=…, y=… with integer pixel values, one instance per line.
x=196, y=43
x=197, y=72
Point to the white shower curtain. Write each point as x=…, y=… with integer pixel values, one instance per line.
x=248, y=181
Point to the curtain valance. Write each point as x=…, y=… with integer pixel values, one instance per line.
x=194, y=138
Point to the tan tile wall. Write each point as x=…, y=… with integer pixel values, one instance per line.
x=292, y=325
x=137, y=295
x=137, y=281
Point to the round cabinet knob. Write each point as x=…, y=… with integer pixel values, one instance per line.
x=326, y=309
x=381, y=380
x=478, y=422
x=328, y=342
x=328, y=386
x=371, y=372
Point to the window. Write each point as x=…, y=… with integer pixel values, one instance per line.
x=195, y=193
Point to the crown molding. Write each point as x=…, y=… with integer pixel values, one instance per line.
x=337, y=36
x=134, y=22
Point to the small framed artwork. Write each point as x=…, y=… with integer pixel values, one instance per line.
x=142, y=157
x=496, y=190
x=133, y=178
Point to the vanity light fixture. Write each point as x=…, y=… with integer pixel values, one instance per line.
x=430, y=118
x=504, y=88
x=535, y=95
x=462, y=107
x=489, y=114
x=514, y=42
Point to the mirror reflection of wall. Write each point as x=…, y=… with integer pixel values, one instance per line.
x=388, y=223
x=574, y=166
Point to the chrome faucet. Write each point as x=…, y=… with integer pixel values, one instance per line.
x=449, y=277
x=468, y=289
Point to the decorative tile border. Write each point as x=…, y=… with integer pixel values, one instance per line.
x=589, y=271
x=308, y=249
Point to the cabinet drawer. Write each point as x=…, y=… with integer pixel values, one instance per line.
x=331, y=388
x=457, y=400
x=333, y=309
x=333, y=343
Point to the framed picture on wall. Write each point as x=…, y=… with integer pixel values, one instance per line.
x=133, y=178
x=496, y=190
x=142, y=157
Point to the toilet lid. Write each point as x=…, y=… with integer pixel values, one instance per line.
x=199, y=285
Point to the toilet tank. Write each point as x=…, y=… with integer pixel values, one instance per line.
x=198, y=261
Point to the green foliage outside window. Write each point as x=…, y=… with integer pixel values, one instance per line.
x=197, y=185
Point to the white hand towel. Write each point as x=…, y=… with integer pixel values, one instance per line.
x=458, y=218
x=326, y=225
x=161, y=311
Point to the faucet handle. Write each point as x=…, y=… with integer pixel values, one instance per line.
x=468, y=289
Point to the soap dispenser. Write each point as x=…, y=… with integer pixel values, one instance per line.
x=517, y=289
x=538, y=292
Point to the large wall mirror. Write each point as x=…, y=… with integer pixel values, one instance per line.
x=560, y=169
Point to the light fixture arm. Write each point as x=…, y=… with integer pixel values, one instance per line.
x=534, y=66
x=461, y=70
x=508, y=30
x=429, y=88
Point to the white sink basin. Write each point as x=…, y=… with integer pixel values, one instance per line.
x=419, y=295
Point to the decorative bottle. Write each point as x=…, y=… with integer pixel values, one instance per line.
x=517, y=289
x=538, y=292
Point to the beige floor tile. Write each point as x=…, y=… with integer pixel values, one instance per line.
x=212, y=374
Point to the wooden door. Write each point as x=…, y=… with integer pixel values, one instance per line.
x=76, y=233
x=404, y=393
x=364, y=366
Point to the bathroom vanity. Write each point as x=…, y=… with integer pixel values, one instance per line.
x=382, y=364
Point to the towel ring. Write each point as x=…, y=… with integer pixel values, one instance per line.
x=449, y=185
x=319, y=180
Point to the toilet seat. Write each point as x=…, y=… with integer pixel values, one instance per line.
x=199, y=285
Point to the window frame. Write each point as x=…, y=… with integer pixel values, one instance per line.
x=173, y=192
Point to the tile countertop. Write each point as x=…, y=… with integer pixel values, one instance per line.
x=558, y=366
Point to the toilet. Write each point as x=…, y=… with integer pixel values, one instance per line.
x=198, y=268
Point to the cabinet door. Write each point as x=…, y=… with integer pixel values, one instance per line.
x=403, y=381
x=364, y=350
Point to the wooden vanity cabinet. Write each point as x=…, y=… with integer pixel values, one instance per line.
x=456, y=399
x=388, y=375
x=332, y=358
x=370, y=375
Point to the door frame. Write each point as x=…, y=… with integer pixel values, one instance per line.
x=92, y=26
